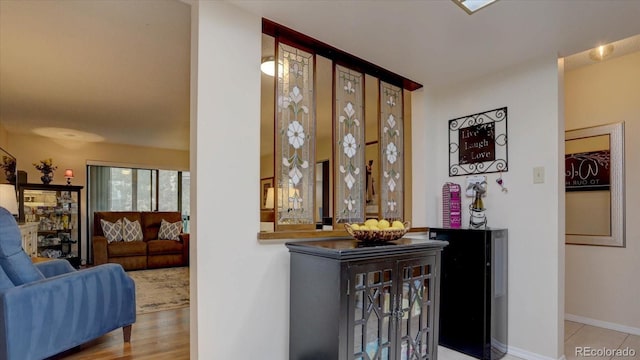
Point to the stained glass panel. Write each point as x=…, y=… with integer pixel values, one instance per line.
x=391, y=151
x=349, y=145
x=295, y=140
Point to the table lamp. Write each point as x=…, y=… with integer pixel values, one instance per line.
x=268, y=204
x=8, y=198
x=68, y=174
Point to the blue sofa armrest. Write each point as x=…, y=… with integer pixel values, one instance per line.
x=46, y=317
x=54, y=267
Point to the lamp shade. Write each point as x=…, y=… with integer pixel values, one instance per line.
x=283, y=200
x=68, y=173
x=268, y=204
x=8, y=198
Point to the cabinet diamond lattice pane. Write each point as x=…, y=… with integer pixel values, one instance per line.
x=416, y=305
x=373, y=319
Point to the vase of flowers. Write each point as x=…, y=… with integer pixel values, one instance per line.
x=9, y=167
x=46, y=167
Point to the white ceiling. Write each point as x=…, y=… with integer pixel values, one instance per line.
x=120, y=69
x=436, y=43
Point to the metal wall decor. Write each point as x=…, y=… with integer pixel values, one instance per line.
x=478, y=143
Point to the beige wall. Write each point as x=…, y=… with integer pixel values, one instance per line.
x=3, y=137
x=598, y=279
x=75, y=155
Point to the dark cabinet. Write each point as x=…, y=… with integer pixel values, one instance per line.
x=56, y=211
x=350, y=301
x=473, y=291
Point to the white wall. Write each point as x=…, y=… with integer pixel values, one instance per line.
x=424, y=146
x=241, y=287
x=530, y=211
x=599, y=279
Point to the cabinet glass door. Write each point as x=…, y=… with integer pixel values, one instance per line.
x=371, y=311
x=416, y=308
x=56, y=212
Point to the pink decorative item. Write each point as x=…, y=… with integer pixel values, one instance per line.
x=451, y=205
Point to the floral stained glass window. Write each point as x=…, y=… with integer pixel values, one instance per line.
x=348, y=147
x=391, y=151
x=295, y=124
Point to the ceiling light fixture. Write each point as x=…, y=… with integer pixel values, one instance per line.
x=601, y=52
x=68, y=134
x=471, y=6
x=268, y=65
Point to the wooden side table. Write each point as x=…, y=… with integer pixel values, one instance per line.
x=39, y=259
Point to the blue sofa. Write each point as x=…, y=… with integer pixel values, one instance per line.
x=50, y=307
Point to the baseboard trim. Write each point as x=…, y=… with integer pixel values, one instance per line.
x=503, y=348
x=602, y=324
x=528, y=355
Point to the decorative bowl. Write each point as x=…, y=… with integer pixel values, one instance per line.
x=378, y=235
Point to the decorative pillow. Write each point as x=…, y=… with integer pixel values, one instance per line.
x=112, y=231
x=131, y=230
x=169, y=231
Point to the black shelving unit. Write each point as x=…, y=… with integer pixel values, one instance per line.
x=57, y=210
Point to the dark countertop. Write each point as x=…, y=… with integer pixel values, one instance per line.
x=353, y=249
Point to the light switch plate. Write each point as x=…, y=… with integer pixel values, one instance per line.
x=538, y=175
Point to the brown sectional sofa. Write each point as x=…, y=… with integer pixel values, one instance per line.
x=149, y=253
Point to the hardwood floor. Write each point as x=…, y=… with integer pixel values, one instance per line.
x=162, y=335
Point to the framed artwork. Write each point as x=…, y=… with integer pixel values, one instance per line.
x=478, y=143
x=265, y=184
x=594, y=186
